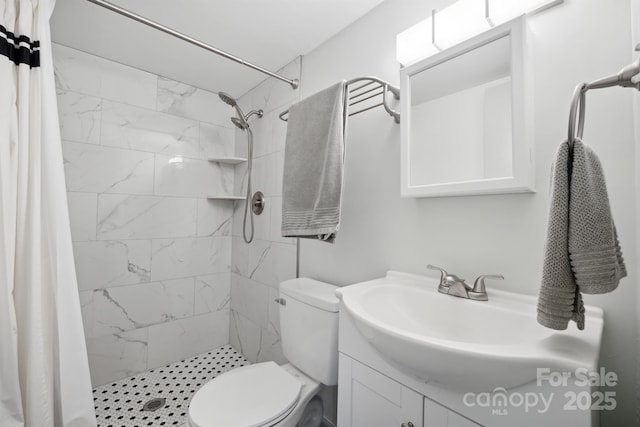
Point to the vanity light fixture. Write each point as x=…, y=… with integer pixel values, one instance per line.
x=458, y=22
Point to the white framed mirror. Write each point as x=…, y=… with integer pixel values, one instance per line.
x=466, y=126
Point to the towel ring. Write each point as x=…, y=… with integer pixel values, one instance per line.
x=579, y=101
x=629, y=76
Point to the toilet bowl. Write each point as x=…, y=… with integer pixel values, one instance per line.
x=259, y=395
x=266, y=394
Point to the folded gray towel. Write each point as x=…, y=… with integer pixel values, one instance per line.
x=582, y=252
x=313, y=165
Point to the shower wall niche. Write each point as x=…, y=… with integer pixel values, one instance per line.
x=152, y=253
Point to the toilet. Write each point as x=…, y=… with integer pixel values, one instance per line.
x=266, y=394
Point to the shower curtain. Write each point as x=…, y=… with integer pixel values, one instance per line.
x=44, y=374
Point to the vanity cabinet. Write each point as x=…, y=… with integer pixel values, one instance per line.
x=384, y=381
x=368, y=398
x=436, y=415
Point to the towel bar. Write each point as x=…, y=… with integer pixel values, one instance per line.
x=371, y=88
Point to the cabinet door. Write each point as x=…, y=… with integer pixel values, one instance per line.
x=436, y=415
x=366, y=398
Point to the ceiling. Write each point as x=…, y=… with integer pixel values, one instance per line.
x=267, y=33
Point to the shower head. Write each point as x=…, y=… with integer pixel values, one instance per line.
x=228, y=99
x=240, y=123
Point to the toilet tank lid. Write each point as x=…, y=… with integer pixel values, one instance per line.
x=313, y=292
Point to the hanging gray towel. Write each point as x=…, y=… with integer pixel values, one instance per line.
x=313, y=165
x=582, y=252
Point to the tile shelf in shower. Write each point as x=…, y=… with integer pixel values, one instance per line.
x=228, y=160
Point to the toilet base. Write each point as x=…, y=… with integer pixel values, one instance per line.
x=312, y=415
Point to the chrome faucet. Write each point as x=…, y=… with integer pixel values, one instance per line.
x=451, y=284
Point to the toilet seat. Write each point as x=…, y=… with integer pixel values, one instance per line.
x=256, y=395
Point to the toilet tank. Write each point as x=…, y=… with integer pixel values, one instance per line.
x=309, y=327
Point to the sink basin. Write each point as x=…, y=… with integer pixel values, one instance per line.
x=462, y=344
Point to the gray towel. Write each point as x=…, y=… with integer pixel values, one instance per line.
x=313, y=165
x=582, y=252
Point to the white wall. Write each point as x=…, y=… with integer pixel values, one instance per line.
x=152, y=254
x=577, y=41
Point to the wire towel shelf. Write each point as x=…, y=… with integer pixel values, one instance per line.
x=366, y=96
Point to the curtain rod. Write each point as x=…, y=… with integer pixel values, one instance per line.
x=114, y=8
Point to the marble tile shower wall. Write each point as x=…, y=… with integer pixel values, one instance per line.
x=259, y=267
x=152, y=253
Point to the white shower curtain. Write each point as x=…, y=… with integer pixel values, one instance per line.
x=44, y=373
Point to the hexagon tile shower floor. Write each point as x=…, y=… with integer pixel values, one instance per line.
x=161, y=397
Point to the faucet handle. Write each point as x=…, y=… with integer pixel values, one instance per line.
x=478, y=285
x=443, y=272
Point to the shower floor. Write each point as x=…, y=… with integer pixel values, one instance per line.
x=120, y=404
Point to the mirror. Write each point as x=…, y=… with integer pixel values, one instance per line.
x=466, y=125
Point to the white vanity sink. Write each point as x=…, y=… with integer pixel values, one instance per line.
x=462, y=344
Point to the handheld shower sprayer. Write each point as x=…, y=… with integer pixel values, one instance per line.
x=241, y=121
x=228, y=99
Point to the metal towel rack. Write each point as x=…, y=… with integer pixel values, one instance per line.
x=629, y=76
x=365, y=95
